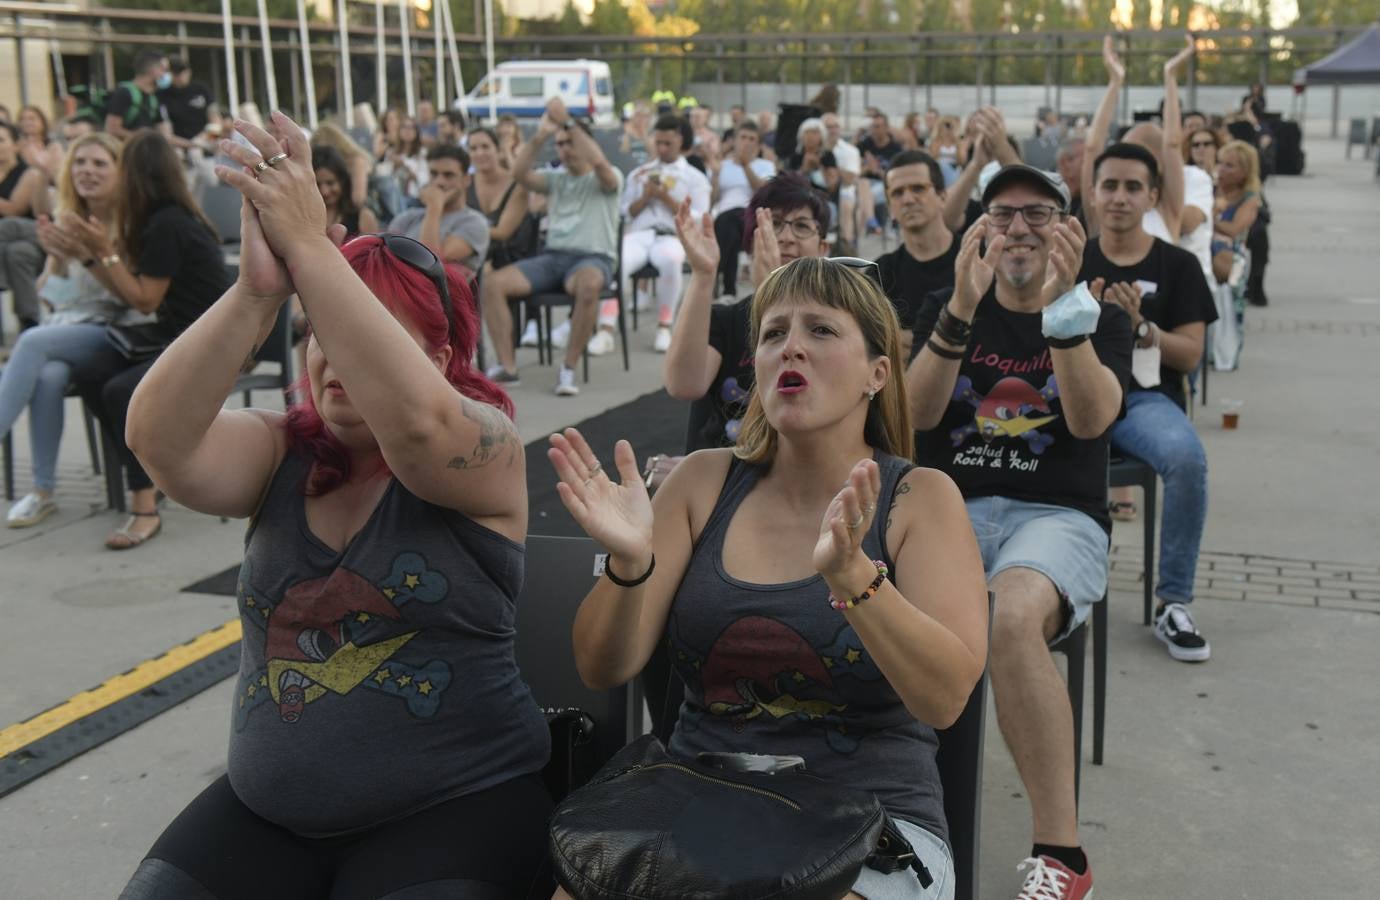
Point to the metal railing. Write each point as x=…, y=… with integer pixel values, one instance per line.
x=362, y=60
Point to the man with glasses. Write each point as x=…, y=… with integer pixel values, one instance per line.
x=581, y=242
x=653, y=195
x=1018, y=378
x=453, y=231
x=709, y=361
x=924, y=263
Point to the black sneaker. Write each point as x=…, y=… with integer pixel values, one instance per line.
x=1174, y=625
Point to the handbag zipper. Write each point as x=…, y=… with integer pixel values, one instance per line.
x=724, y=781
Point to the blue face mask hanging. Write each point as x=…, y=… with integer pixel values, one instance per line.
x=164, y=81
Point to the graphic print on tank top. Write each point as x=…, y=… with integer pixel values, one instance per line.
x=333, y=635
x=762, y=669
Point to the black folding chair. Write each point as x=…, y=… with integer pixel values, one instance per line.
x=587, y=726
x=1125, y=470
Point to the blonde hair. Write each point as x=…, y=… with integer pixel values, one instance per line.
x=68, y=200
x=839, y=287
x=1248, y=159
x=334, y=136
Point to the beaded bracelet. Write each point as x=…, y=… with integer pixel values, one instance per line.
x=872, y=588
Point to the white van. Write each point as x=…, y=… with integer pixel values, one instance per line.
x=522, y=89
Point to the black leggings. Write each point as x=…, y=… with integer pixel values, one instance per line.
x=106, y=383
x=486, y=846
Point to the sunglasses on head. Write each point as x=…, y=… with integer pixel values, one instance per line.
x=419, y=256
x=865, y=266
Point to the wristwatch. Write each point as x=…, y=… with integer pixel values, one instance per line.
x=1143, y=330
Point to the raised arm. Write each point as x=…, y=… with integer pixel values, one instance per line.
x=1171, y=153
x=938, y=599
x=214, y=460
x=445, y=448
x=931, y=376
x=527, y=155
x=691, y=363
x=1101, y=126
x=956, y=196
x=617, y=628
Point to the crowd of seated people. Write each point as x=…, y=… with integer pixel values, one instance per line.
x=823, y=373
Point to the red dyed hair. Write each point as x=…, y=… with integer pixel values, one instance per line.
x=410, y=295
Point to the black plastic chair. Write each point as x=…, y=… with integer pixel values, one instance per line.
x=1131, y=471
x=1074, y=647
x=538, y=307
x=276, y=349
x=593, y=724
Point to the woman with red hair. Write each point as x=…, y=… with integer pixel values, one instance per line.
x=382, y=740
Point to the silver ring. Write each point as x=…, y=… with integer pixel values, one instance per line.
x=594, y=472
x=276, y=158
x=852, y=526
x=869, y=509
x=260, y=167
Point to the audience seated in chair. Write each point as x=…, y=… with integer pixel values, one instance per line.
x=166, y=259
x=388, y=511
x=581, y=242
x=23, y=190
x=453, y=231
x=74, y=333
x=733, y=178
x=652, y=197
x=1161, y=287
x=743, y=552
x=1018, y=410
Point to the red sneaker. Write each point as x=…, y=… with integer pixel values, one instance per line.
x=1049, y=879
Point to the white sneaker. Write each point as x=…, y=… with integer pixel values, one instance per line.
x=30, y=510
x=529, y=336
x=601, y=344
x=662, y=342
x=560, y=335
x=565, y=383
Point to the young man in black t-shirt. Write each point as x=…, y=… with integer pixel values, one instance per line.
x=710, y=358
x=924, y=263
x=185, y=104
x=134, y=104
x=1162, y=288
x=1018, y=378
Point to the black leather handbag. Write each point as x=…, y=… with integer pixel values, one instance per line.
x=724, y=826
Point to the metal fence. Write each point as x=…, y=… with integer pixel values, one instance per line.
x=326, y=65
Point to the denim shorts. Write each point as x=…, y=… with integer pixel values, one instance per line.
x=1064, y=545
x=547, y=272
x=904, y=885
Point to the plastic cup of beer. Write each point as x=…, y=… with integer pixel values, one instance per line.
x=1231, y=414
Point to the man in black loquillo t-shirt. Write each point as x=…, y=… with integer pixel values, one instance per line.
x=1018, y=378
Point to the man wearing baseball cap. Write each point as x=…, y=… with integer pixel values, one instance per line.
x=1017, y=377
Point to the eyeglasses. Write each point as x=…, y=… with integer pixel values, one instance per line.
x=866, y=266
x=1035, y=215
x=800, y=228
x=1198, y=144
x=419, y=256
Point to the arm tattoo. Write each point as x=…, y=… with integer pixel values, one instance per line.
x=249, y=361
x=901, y=490
x=497, y=438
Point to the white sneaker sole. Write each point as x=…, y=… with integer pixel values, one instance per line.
x=1185, y=654
x=32, y=520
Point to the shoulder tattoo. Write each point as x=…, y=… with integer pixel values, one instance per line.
x=497, y=441
x=901, y=490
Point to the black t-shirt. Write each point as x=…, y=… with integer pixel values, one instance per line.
x=1004, y=432
x=1173, y=292
x=174, y=244
x=884, y=154
x=715, y=417
x=145, y=113
x=185, y=108
x=907, y=281
x=11, y=181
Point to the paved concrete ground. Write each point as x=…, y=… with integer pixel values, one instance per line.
x=1250, y=776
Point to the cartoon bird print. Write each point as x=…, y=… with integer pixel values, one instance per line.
x=1006, y=412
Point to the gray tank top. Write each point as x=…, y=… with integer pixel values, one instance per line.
x=772, y=668
x=380, y=680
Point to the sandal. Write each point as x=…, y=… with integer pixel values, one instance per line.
x=124, y=539
x=1122, y=510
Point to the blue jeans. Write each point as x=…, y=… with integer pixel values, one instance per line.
x=1157, y=431
x=37, y=376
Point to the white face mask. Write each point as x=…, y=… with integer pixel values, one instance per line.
x=164, y=81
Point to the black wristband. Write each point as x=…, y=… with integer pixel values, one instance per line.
x=89, y=262
x=1066, y=343
x=951, y=329
x=942, y=351
x=608, y=570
